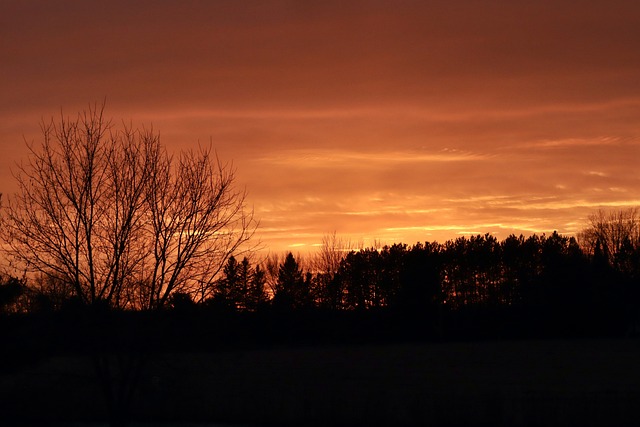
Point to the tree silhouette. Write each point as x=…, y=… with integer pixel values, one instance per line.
x=11, y=290
x=612, y=231
x=471, y=270
x=241, y=287
x=256, y=297
x=292, y=291
x=328, y=289
x=358, y=272
x=420, y=287
x=110, y=213
x=181, y=302
x=227, y=291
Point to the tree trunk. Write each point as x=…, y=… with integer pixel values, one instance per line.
x=119, y=377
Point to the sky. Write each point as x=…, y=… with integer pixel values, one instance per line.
x=381, y=121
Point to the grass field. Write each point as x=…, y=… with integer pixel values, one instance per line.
x=509, y=383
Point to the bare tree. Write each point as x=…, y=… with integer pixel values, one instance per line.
x=331, y=251
x=197, y=221
x=271, y=264
x=326, y=264
x=118, y=219
x=610, y=232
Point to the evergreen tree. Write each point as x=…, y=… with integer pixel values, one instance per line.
x=257, y=295
x=226, y=290
x=244, y=279
x=291, y=288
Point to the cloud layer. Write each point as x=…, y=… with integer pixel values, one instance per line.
x=397, y=121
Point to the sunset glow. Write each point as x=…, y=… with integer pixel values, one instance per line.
x=380, y=120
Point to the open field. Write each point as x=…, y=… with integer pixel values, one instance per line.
x=519, y=383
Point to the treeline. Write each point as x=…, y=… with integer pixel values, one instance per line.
x=549, y=278
x=583, y=285
x=540, y=283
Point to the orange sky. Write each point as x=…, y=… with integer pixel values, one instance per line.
x=389, y=120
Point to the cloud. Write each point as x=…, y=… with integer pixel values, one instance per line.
x=302, y=158
x=374, y=121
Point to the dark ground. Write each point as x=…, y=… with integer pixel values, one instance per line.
x=508, y=383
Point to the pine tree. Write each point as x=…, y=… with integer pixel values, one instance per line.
x=226, y=291
x=257, y=296
x=290, y=288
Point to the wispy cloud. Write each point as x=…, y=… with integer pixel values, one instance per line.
x=597, y=173
x=575, y=142
x=302, y=158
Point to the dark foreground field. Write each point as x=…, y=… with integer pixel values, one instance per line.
x=511, y=383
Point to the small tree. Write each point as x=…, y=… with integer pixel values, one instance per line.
x=292, y=290
x=241, y=286
x=614, y=232
x=244, y=284
x=227, y=292
x=257, y=295
x=11, y=290
x=328, y=286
